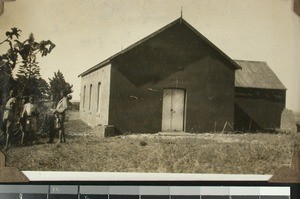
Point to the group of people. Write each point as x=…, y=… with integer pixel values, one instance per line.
x=25, y=116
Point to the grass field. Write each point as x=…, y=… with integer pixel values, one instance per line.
x=259, y=153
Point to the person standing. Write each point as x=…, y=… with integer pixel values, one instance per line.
x=9, y=118
x=49, y=121
x=60, y=112
x=22, y=121
x=30, y=114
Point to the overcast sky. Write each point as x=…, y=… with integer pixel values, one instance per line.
x=87, y=32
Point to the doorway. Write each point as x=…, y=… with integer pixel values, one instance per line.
x=173, y=110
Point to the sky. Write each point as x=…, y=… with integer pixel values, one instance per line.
x=87, y=32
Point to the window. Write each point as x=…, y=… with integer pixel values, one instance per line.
x=90, y=97
x=98, y=96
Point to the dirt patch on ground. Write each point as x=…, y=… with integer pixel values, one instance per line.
x=220, y=138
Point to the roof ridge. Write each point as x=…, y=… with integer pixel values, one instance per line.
x=178, y=20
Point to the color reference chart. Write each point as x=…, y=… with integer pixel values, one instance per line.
x=141, y=192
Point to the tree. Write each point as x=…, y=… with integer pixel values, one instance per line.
x=6, y=82
x=37, y=87
x=8, y=62
x=11, y=56
x=58, y=84
x=24, y=54
x=29, y=78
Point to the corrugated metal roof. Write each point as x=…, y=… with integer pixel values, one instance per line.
x=256, y=74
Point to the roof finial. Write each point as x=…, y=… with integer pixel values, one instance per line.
x=181, y=14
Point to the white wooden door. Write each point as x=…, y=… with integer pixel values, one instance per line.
x=173, y=110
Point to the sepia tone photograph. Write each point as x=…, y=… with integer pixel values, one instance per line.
x=196, y=86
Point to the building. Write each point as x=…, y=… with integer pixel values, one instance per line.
x=259, y=97
x=172, y=80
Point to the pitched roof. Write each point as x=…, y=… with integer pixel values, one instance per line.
x=256, y=74
x=155, y=34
